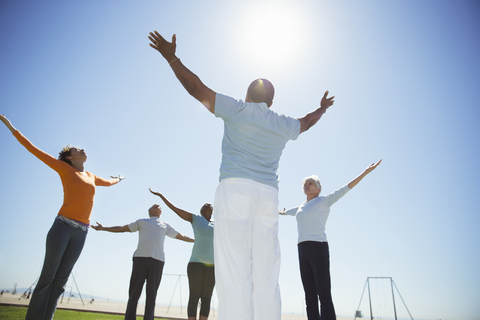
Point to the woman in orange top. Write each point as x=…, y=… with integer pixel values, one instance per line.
x=67, y=235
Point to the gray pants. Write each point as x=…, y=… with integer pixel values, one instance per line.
x=63, y=247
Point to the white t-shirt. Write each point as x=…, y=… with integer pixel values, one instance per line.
x=312, y=215
x=151, y=236
x=253, y=139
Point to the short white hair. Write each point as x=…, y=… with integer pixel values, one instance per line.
x=314, y=179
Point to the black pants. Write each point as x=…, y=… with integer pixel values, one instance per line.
x=201, y=280
x=144, y=269
x=314, y=260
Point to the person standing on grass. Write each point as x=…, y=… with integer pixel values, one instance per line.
x=67, y=235
x=313, y=252
x=246, y=245
x=200, y=269
x=148, y=259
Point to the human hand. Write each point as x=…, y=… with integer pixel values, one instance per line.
x=119, y=177
x=327, y=102
x=7, y=123
x=98, y=227
x=5, y=120
x=167, y=49
x=155, y=193
x=372, y=167
x=282, y=212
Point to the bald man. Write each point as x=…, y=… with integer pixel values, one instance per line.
x=148, y=259
x=246, y=246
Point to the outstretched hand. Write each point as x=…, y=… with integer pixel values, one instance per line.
x=155, y=193
x=98, y=227
x=369, y=169
x=327, y=102
x=372, y=167
x=282, y=212
x=4, y=119
x=119, y=177
x=7, y=123
x=167, y=49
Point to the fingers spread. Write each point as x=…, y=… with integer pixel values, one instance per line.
x=160, y=38
x=153, y=37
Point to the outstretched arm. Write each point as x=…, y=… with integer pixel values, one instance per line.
x=311, y=118
x=99, y=181
x=99, y=227
x=184, y=238
x=7, y=123
x=40, y=154
x=187, y=216
x=370, y=168
x=119, y=177
x=289, y=212
x=190, y=81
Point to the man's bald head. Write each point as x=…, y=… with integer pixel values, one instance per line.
x=261, y=90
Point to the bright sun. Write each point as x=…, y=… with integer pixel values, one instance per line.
x=272, y=33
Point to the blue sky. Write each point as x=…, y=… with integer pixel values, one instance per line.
x=405, y=75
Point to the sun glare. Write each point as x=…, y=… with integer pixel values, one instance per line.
x=272, y=34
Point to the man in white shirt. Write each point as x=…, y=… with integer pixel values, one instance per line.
x=148, y=259
x=246, y=246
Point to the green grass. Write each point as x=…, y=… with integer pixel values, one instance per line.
x=18, y=313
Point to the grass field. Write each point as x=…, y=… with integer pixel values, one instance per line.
x=18, y=313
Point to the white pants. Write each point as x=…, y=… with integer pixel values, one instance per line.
x=247, y=251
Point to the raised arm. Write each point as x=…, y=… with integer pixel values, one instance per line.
x=7, y=123
x=183, y=237
x=187, y=216
x=369, y=169
x=99, y=227
x=190, y=81
x=310, y=119
x=50, y=161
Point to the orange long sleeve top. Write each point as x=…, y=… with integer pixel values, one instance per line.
x=78, y=189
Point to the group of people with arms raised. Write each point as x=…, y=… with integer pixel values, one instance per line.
x=241, y=253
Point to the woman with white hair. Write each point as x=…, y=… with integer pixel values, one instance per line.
x=313, y=253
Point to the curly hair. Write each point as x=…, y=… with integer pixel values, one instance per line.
x=66, y=151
